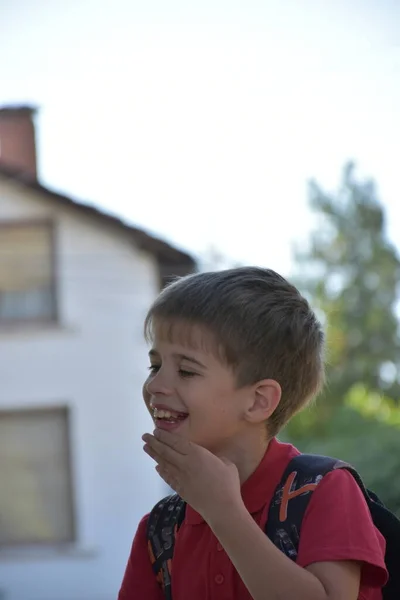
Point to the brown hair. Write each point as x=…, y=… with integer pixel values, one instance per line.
x=262, y=326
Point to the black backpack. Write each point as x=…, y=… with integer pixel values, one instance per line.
x=302, y=475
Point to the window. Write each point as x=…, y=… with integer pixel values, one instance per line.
x=36, y=505
x=27, y=282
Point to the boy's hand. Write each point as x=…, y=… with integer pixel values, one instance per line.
x=208, y=483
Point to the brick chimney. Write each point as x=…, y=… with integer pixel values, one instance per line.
x=17, y=139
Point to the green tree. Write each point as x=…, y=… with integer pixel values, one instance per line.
x=369, y=442
x=351, y=273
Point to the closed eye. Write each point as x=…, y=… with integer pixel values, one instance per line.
x=186, y=374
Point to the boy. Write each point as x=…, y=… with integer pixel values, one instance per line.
x=235, y=354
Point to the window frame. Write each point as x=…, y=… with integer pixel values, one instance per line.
x=52, y=318
x=72, y=538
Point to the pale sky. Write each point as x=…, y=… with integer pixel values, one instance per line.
x=202, y=121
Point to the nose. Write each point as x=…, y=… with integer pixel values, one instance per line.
x=157, y=386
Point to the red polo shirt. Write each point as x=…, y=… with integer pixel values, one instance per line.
x=202, y=570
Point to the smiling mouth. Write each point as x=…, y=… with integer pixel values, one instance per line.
x=168, y=415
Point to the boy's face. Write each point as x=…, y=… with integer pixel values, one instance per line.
x=198, y=390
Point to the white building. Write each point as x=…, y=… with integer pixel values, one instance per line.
x=75, y=284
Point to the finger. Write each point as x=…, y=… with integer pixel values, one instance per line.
x=149, y=450
x=173, y=440
x=161, y=454
x=226, y=461
x=167, y=471
x=163, y=474
x=164, y=450
x=164, y=477
x=168, y=478
x=154, y=455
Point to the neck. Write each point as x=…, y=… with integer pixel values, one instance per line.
x=246, y=453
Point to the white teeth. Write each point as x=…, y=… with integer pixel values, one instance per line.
x=163, y=414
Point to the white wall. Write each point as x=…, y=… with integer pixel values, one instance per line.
x=95, y=361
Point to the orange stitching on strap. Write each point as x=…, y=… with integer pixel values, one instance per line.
x=288, y=495
x=151, y=554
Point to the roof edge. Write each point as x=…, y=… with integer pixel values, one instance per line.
x=160, y=249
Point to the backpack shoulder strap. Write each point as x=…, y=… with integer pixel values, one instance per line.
x=294, y=492
x=162, y=525
x=291, y=498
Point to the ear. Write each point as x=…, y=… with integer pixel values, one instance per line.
x=265, y=397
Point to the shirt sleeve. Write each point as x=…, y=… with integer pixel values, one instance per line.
x=338, y=526
x=139, y=582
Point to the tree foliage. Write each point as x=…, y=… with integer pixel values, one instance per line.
x=352, y=273
x=371, y=445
